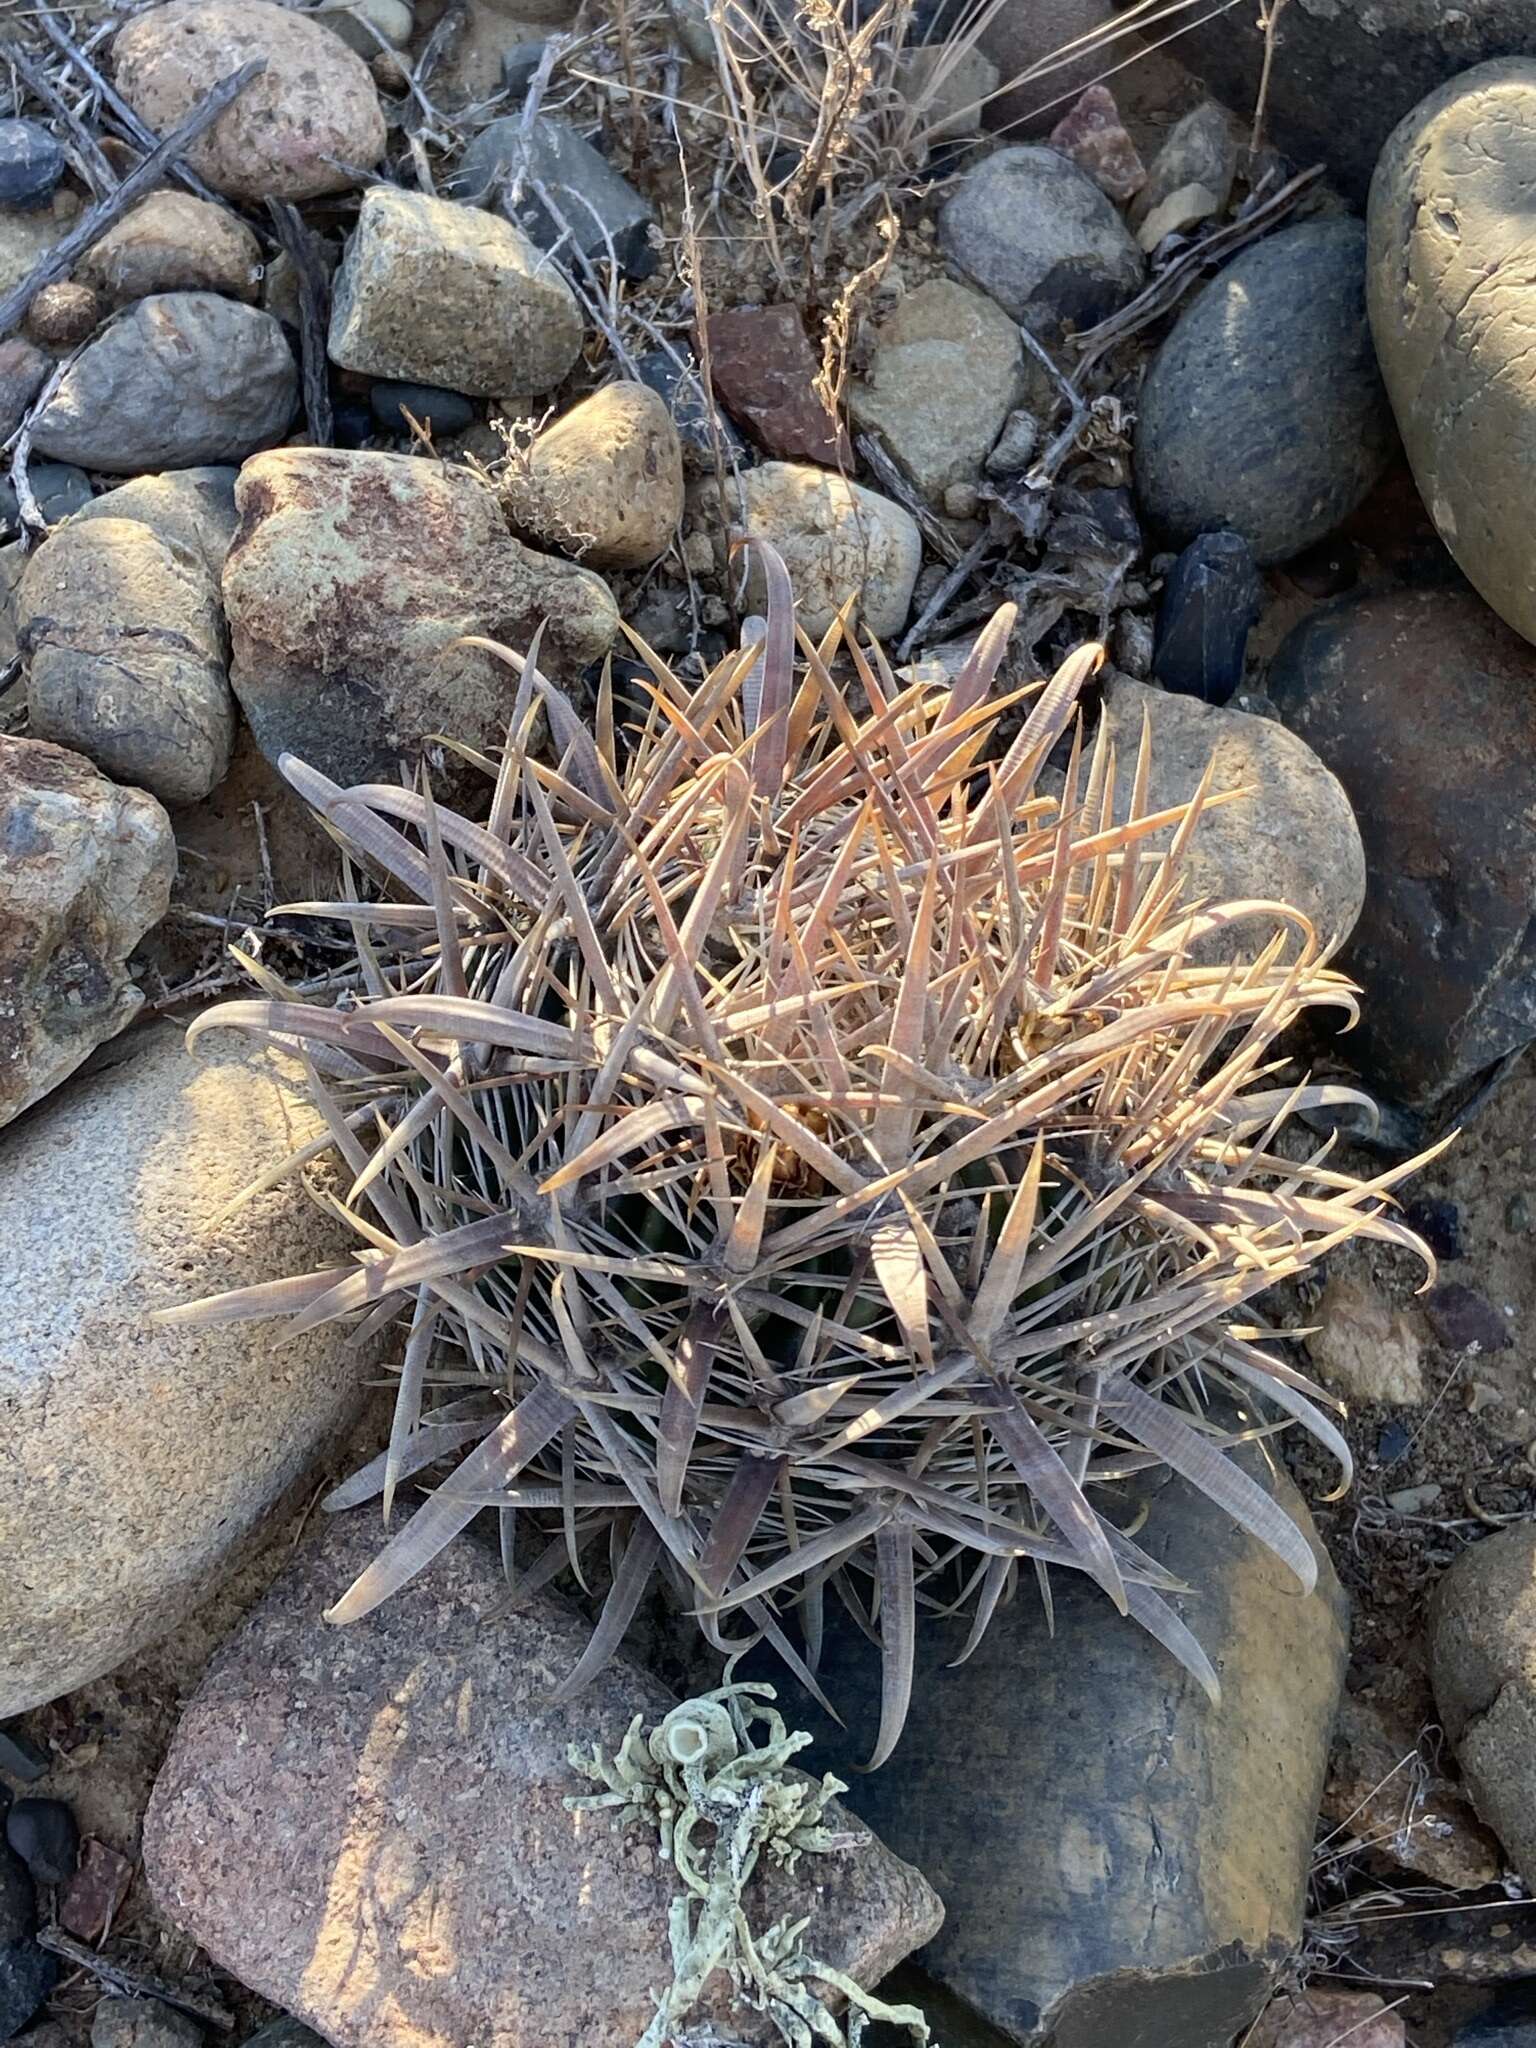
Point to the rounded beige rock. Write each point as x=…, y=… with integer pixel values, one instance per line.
x=838, y=540
x=305, y=127
x=172, y=242
x=137, y=1457
x=605, y=483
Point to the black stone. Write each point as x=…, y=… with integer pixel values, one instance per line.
x=18, y=1901
x=352, y=423
x=1438, y=1222
x=21, y=1757
x=683, y=389
x=1211, y=602
x=59, y=488
x=447, y=412
x=1510, y=2022
x=31, y=163
x=518, y=64
x=44, y=1836
x=27, y=1975
x=1395, y=1441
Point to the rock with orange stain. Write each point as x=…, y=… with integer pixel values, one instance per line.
x=368, y=1825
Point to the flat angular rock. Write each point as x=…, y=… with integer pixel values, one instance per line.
x=1085, y=1813
x=367, y=1824
x=600, y=208
x=127, y=659
x=1211, y=602
x=87, y=869
x=1451, y=280
x=1411, y=1812
x=1201, y=149
x=1423, y=703
x=764, y=372
x=305, y=127
x=352, y=576
x=948, y=369
x=182, y=379
x=1263, y=411
x=1295, y=841
x=430, y=292
x=1092, y=134
x=1038, y=235
x=158, y=1449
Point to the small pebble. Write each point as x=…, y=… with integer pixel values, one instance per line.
x=64, y=315
x=1438, y=1222
x=1015, y=445
x=1211, y=601
x=1518, y=1213
x=142, y=2023
x=1393, y=1443
x=1132, y=643
x=444, y=412
x=59, y=488
x=95, y=1892
x=43, y=1834
x=1464, y=1321
x=31, y=163
x=518, y=64
x=1413, y=1500
x=960, y=501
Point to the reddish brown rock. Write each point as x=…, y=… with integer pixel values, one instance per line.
x=367, y=1825
x=62, y=315
x=764, y=373
x=351, y=579
x=1321, y=2018
x=1383, y=1790
x=1423, y=703
x=1093, y=135
x=95, y=1892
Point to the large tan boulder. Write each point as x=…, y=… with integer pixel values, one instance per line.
x=136, y=1458
x=85, y=869
x=303, y=128
x=351, y=579
x=1449, y=288
x=368, y=1825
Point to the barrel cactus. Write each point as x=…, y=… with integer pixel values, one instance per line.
x=802, y=1144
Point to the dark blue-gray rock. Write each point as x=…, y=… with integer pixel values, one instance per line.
x=698, y=420
x=21, y=1757
x=445, y=412
x=1450, y=301
x=597, y=204
x=178, y=380
x=59, y=488
x=18, y=1900
x=518, y=64
x=1083, y=1811
x=42, y=1832
x=1345, y=72
x=27, y=1975
x=1510, y=2022
x=31, y=163
x=1037, y=234
x=1263, y=412
x=1211, y=602
x=142, y=2023
x=1423, y=703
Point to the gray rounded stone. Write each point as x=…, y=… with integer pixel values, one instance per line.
x=1263, y=412
x=1036, y=233
x=1452, y=279
x=182, y=378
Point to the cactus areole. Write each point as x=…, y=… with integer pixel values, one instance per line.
x=800, y=1151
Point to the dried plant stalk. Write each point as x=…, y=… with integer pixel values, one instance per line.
x=812, y=1154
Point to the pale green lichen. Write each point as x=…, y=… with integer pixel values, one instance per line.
x=698, y=1770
